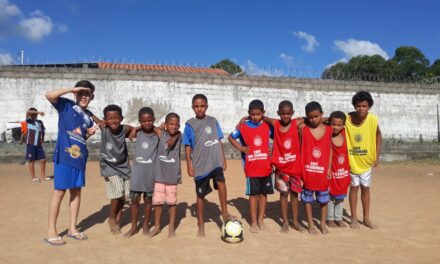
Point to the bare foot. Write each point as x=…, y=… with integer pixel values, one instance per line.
x=341, y=224
x=331, y=223
x=284, y=228
x=312, y=230
x=254, y=228
x=145, y=230
x=171, y=233
x=228, y=217
x=323, y=229
x=154, y=231
x=114, y=228
x=354, y=224
x=262, y=226
x=131, y=232
x=201, y=231
x=369, y=224
x=298, y=227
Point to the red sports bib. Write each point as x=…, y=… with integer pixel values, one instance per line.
x=340, y=169
x=286, y=150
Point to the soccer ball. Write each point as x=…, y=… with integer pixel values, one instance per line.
x=232, y=231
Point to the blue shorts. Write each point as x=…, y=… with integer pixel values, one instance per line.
x=338, y=197
x=66, y=177
x=34, y=152
x=321, y=196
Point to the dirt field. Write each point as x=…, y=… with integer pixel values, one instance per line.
x=405, y=206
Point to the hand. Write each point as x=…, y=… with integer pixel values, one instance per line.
x=191, y=171
x=91, y=131
x=132, y=135
x=225, y=165
x=244, y=149
x=376, y=163
x=162, y=126
x=329, y=174
x=41, y=114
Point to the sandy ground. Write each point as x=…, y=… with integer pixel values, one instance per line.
x=405, y=206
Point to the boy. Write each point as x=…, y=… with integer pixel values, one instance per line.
x=205, y=158
x=363, y=141
x=75, y=125
x=287, y=162
x=114, y=164
x=33, y=130
x=142, y=176
x=254, y=136
x=167, y=174
x=340, y=177
x=315, y=160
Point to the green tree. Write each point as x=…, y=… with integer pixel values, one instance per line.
x=434, y=69
x=410, y=62
x=228, y=66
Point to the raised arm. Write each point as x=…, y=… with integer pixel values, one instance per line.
x=53, y=96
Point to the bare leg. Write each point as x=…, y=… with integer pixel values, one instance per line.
x=157, y=216
x=54, y=209
x=353, y=206
x=200, y=217
x=322, y=224
x=112, y=217
x=365, y=198
x=134, y=209
x=148, y=203
x=172, y=223
x=284, y=212
x=295, y=211
x=74, y=204
x=31, y=165
x=261, y=211
x=253, y=201
x=311, y=226
x=222, y=195
x=42, y=169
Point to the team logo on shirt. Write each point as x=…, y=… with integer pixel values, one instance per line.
x=74, y=151
x=141, y=160
x=109, y=146
x=145, y=145
x=107, y=158
x=164, y=159
x=287, y=143
x=316, y=152
x=341, y=159
x=258, y=141
x=208, y=130
x=358, y=138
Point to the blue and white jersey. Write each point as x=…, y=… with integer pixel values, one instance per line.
x=73, y=123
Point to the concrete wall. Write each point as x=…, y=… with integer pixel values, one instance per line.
x=407, y=112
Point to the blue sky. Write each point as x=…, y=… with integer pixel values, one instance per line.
x=264, y=37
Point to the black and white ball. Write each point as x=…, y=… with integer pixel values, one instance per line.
x=232, y=231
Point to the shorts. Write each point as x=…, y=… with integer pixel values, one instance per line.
x=134, y=195
x=322, y=197
x=164, y=193
x=259, y=185
x=293, y=183
x=203, y=186
x=363, y=179
x=34, y=153
x=338, y=197
x=117, y=187
x=66, y=177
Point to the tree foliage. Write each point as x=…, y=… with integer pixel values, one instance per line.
x=228, y=66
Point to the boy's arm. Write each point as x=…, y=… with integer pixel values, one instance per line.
x=99, y=122
x=378, y=145
x=53, y=96
x=329, y=172
x=189, y=164
x=237, y=145
x=133, y=132
x=270, y=121
x=30, y=112
x=23, y=136
x=225, y=165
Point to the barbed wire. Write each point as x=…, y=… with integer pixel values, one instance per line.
x=247, y=70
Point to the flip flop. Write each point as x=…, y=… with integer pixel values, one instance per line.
x=51, y=241
x=78, y=236
x=36, y=181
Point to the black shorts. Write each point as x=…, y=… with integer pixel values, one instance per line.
x=203, y=187
x=259, y=185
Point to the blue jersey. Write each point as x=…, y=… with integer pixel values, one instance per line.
x=35, y=132
x=73, y=123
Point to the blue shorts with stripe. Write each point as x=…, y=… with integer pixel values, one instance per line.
x=322, y=197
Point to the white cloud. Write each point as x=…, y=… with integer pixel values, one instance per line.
x=352, y=48
x=6, y=59
x=8, y=10
x=311, y=41
x=336, y=62
x=287, y=59
x=252, y=69
x=37, y=26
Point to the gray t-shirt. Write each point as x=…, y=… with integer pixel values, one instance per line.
x=114, y=153
x=207, y=154
x=142, y=175
x=167, y=168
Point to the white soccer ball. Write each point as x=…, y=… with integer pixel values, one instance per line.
x=232, y=231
